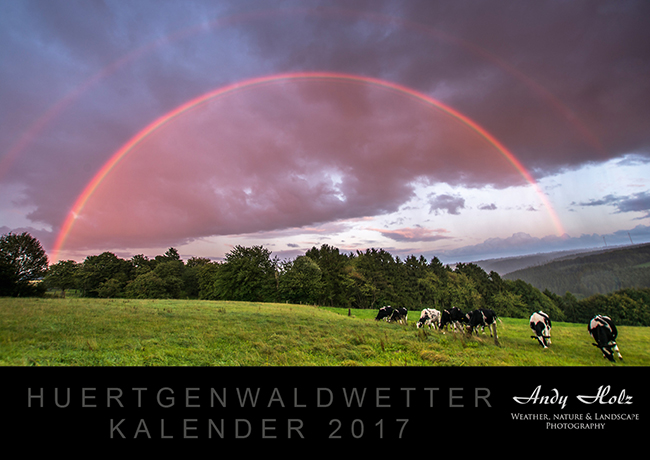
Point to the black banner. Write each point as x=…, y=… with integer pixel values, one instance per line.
x=275, y=407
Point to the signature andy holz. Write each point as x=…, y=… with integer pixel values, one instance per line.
x=601, y=397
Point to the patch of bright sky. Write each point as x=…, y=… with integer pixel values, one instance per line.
x=486, y=213
x=619, y=178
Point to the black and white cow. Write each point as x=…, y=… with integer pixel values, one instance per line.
x=429, y=317
x=540, y=323
x=481, y=318
x=452, y=316
x=384, y=313
x=399, y=315
x=603, y=331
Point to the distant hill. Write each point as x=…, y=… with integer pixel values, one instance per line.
x=583, y=274
x=506, y=265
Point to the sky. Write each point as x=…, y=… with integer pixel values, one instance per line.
x=464, y=130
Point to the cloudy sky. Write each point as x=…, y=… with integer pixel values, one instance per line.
x=465, y=130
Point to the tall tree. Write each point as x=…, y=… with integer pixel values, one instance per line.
x=248, y=274
x=171, y=273
x=170, y=255
x=206, y=276
x=22, y=261
x=62, y=275
x=96, y=270
x=301, y=281
x=142, y=264
x=413, y=287
x=147, y=286
x=336, y=283
x=191, y=284
x=373, y=274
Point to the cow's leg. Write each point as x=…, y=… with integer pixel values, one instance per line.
x=607, y=354
x=539, y=332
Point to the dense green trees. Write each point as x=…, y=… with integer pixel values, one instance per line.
x=102, y=272
x=322, y=276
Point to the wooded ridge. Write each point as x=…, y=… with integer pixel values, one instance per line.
x=600, y=272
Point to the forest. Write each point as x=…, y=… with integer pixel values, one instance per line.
x=588, y=274
x=322, y=276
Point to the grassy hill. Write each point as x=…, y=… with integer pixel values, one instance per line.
x=599, y=272
x=125, y=332
x=506, y=265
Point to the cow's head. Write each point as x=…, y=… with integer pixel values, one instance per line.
x=445, y=318
x=384, y=312
x=427, y=315
x=544, y=340
x=399, y=314
x=609, y=350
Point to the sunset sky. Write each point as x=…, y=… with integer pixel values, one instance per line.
x=464, y=130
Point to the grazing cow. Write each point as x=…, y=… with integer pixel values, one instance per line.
x=399, y=315
x=540, y=323
x=603, y=331
x=384, y=313
x=429, y=317
x=452, y=316
x=482, y=317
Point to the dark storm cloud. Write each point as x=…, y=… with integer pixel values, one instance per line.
x=560, y=84
x=637, y=202
x=607, y=200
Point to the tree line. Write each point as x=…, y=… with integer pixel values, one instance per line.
x=324, y=276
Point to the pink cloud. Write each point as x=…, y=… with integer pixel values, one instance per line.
x=282, y=156
x=414, y=234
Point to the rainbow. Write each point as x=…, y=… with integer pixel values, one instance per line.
x=37, y=127
x=90, y=188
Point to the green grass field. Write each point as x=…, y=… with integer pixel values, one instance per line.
x=125, y=332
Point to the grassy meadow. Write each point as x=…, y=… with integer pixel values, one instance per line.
x=128, y=332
